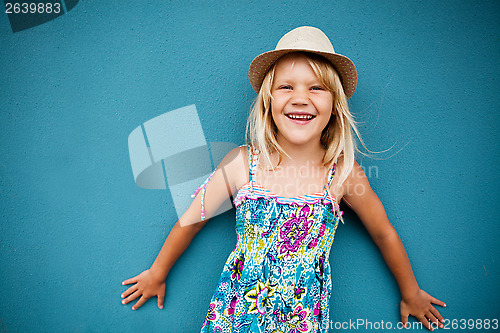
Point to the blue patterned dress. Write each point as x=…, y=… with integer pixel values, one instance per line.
x=277, y=279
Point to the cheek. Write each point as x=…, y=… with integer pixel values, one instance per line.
x=279, y=99
x=327, y=115
x=326, y=120
x=323, y=104
x=328, y=105
x=273, y=116
x=275, y=104
x=275, y=110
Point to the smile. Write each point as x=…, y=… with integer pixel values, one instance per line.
x=300, y=117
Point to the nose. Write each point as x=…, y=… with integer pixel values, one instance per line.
x=300, y=97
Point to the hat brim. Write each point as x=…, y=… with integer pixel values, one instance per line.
x=344, y=66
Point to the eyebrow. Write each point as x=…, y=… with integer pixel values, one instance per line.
x=316, y=81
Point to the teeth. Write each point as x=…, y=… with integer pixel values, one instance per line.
x=300, y=117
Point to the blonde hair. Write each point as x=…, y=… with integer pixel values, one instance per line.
x=337, y=137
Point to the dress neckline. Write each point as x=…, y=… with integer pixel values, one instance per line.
x=247, y=192
x=253, y=161
x=272, y=194
x=254, y=190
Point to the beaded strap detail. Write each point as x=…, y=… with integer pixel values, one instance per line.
x=253, y=157
x=202, y=189
x=336, y=205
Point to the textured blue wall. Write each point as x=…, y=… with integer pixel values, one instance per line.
x=74, y=224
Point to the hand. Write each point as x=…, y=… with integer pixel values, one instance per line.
x=146, y=285
x=420, y=306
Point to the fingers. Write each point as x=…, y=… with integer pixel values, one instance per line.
x=139, y=303
x=438, y=302
x=131, y=297
x=160, y=301
x=432, y=320
x=404, y=319
x=129, y=281
x=130, y=290
x=437, y=315
x=425, y=322
x=144, y=287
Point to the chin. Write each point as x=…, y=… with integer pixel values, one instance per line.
x=298, y=141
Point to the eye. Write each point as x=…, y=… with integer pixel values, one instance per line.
x=317, y=88
x=285, y=86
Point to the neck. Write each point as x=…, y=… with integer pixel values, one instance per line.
x=300, y=154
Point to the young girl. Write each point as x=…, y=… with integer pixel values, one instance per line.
x=287, y=183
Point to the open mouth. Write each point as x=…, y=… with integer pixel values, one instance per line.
x=300, y=118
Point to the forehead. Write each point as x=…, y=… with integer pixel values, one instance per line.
x=288, y=61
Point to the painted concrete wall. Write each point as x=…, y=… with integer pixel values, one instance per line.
x=74, y=224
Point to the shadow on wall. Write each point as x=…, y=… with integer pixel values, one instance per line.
x=27, y=14
x=171, y=151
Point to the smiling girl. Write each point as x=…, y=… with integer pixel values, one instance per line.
x=287, y=182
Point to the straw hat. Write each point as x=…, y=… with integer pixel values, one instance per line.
x=306, y=39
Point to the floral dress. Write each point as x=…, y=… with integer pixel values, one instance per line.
x=277, y=279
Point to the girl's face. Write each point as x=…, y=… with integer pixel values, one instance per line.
x=301, y=105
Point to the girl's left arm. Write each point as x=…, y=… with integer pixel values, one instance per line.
x=370, y=210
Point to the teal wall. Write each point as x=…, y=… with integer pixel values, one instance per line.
x=74, y=224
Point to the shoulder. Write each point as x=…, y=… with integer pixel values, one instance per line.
x=356, y=183
x=357, y=173
x=236, y=158
x=235, y=165
x=355, y=179
x=354, y=173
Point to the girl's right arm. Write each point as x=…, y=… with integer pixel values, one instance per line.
x=229, y=176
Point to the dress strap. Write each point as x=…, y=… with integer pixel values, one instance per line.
x=331, y=173
x=336, y=204
x=249, y=163
x=252, y=165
